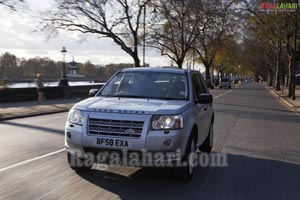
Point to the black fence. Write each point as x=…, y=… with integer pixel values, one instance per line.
x=30, y=94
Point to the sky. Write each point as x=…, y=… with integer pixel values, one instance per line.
x=18, y=36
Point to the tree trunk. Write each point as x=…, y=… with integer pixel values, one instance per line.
x=270, y=78
x=212, y=74
x=278, y=69
x=179, y=63
x=207, y=74
x=270, y=75
x=277, y=76
x=291, y=77
x=136, y=61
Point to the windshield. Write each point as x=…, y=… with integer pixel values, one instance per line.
x=150, y=85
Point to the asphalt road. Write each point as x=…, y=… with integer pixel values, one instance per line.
x=260, y=137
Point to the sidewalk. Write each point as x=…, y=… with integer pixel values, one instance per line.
x=32, y=108
x=283, y=97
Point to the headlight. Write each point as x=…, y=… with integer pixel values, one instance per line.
x=159, y=122
x=76, y=117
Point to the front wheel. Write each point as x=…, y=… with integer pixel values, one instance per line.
x=208, y=142
x=185, y=172
x=79, y=164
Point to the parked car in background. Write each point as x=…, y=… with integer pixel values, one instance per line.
x=298, y=79
x=225, y=82
x=248, y=80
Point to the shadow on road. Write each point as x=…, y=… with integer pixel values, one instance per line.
x=244, y=178
x=255, y=107
x=51, y=130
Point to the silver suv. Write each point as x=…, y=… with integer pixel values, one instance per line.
x=143, y=116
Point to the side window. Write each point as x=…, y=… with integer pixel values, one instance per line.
x=196, y=86
x=202, y=84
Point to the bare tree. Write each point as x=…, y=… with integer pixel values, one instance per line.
x=175, y=33
x=119, y=20
x=11, y=3
x=218, y=22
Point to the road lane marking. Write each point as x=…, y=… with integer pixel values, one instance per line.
x=222, y=94
x=31, y=160
x=283, y=102
x=46, y=194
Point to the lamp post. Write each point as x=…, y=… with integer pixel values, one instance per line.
x=144, y=42
x=144, y=36
x=63, y=81
x=295, y=54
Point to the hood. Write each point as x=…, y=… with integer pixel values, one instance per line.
x=132, y=106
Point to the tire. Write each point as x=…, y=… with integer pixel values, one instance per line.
x=220, y=87
x=208, y=142
x=79, y=164
x=230, y=87
x=185, y=173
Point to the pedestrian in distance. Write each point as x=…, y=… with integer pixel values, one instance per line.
x=40, y=87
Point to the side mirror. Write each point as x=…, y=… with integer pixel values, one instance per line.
x=93, y=92
x=205, y=98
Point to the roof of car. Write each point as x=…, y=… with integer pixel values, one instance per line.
x=156, y=69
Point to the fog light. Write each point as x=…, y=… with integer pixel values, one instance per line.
x=69, y=135
x=167, y=142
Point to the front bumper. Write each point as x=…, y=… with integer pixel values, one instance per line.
x=164, y=146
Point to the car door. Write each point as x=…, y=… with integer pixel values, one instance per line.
x=201, y=110
x=208, y=107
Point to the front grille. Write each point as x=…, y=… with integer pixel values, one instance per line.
x=115, y=127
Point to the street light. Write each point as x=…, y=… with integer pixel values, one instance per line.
x=295, y=54
x=63, y=81
x=144, y=42
x=144, y=36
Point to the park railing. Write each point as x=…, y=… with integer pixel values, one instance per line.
x=30, y=94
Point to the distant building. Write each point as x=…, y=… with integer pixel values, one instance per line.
x=74, y=70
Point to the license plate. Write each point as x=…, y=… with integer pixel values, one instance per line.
x=112, y=142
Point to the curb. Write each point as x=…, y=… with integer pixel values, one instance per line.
x=32, y=115
x=284, y=101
